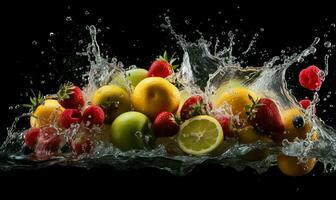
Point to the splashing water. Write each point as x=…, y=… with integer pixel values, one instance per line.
x=200, y=73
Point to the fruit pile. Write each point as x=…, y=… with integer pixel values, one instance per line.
x=156, y=112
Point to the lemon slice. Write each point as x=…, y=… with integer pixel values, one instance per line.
x=200, y=135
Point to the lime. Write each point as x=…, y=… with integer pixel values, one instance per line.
x=200, y=135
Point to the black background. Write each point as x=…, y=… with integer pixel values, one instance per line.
x=135, y=37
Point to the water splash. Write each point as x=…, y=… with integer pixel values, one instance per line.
x=203, y=73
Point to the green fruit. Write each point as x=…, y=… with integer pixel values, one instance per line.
x=136, y=75
x=132, y=130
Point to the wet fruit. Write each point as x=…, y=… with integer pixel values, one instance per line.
x=200, y=135
x=309, y=78
x=31, y=136
x=162, y=67
x=136, y=75
x=292, y=167
x=237, y=98
x=193, y=106
x=113, y=100
x=165, y=125
x=70, y=96
x=93, y=116
x=132, y=130
x=69, y=117
x=154, y=95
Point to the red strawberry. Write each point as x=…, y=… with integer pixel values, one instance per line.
x=225, y=122
x=93, y=115
x=81, y=145
x=162, y=67
x=70, y=96
x=70, y=116
x=264, y=115
x=31, y=137
x=305, y=103
x=309, y=78
x=165, y=125
x=193, y=106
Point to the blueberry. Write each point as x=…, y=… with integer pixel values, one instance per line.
x=298, y=121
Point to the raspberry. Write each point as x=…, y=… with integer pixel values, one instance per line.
x=309, y=78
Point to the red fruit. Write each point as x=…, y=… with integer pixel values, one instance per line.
x=225, y=123
x=70, y=96
x=81, y=145
x=193, y=106
x=162, y=67
x=31, y=137
x=49, y=144
x=309, y=78
x=305, y=103
x=165, y=125
x=93, y=115
x=264, y=115
x=70, y=116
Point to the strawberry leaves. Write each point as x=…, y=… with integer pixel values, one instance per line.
x=171, y=60
x=251, y=110
x=35, y=101
x=65, y=91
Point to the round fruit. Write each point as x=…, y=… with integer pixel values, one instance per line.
x=46, y=113
x=200, y=135
x=184, y=95
x=113, y=100
x=292, y=167
x=237, y=98
x=132, y=130
x=296, y=124
x=136, y=75
x=154, y=95
x=225, y=87
x=249, y=135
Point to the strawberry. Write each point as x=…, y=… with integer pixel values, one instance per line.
x=264, y=115
x=193, y=106
x=70, y=116
x=81, y=145
x=70, y=96
x=48, y=143
x=31, y=137
x=165, y=125
x=305, y=103
x=226, y=124
x=309, y=78
x=93, y=115
x=162, y=67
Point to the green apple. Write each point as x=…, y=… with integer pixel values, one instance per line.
x=132, y=130
x=136, y=75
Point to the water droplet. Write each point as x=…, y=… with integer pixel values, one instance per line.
x=219, y=12
x=262, y=29
x=42, y=52
x=241, y=20
x=325, y=35
x=107, y=28
x=68, y=19
x=10, y=108
x=17, y=107
x=87, y=13
x=99, y=20
x=51, y=34
x=300, y=60
x=333, y=25
x=187, y=22
x=327, y=44
x=34, y=42
x=226, y=21
x=283, y=51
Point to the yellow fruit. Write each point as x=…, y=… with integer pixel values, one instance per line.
x=46, y=113
x=290, y=165
x=225, y=87
x=200, y=135
x=154, y=95
x=237, y=98
x=113, y=100
x=249, y=135
x=292, y=131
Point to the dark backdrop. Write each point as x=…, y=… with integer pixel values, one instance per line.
x=134, y=36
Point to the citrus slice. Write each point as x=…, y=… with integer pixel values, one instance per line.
x=200, y=135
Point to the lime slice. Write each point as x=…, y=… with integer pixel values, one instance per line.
x=200, y=135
